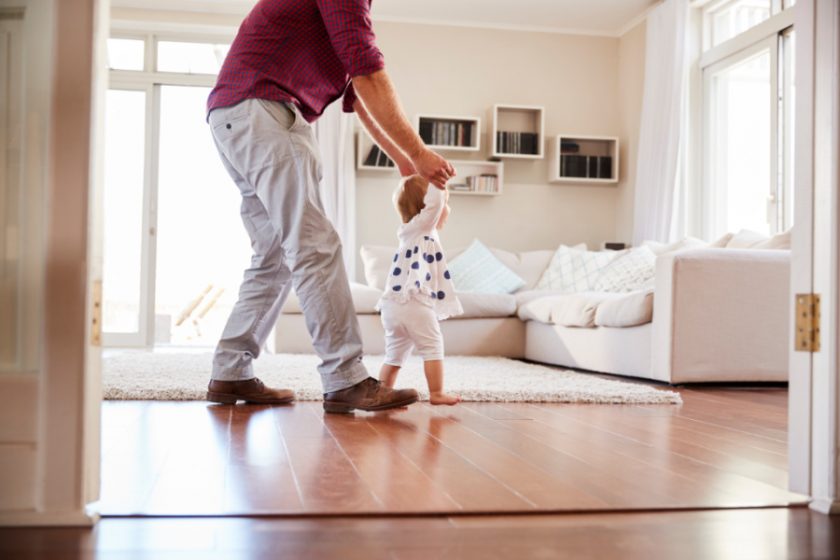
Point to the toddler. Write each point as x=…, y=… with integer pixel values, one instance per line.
x=419, y=290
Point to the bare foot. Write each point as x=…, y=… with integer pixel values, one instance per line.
x=443, y=398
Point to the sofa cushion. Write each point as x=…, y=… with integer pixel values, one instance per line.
x=527, y=296
x=666, y=248
x=745, y=239
x=539, y=308
x=590, y=309
x=572, y=270
x=486, y=305
x=625, y=310
x=478, y=270
x=364, y=300
x=528, y=265
x=377, y=260
x=577, y=310
x=722, y=241
x=627, y=273
x=778, y=241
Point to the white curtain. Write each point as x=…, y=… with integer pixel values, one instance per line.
x=334, y=131
x=662, y=124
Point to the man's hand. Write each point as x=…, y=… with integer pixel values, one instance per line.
x=433, y=167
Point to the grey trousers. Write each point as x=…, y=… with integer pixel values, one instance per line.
x=270, y=151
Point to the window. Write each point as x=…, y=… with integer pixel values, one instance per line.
x=739, y=99
x=126, y=54
x=190, y=58
x=748, y=117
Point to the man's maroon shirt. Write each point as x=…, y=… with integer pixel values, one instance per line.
x=299, y=51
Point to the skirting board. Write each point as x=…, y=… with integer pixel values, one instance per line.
x=825, y=505
x=48, y=519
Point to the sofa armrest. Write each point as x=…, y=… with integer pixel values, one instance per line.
x=721, y=315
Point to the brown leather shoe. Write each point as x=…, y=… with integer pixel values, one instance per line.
x=369, y=395
x=251, y=390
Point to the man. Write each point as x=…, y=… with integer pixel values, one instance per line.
x=290, y=59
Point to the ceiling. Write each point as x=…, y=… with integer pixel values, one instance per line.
x=595, y=17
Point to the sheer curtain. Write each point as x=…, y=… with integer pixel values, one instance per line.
x=334, y=131
x=662, y=122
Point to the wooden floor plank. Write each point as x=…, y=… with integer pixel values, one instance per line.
x=417, y=435
x=723, y=447
x=627, y=441
x=325, y=476
x=777, y=534
x=398, y=482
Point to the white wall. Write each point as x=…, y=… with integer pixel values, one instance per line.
x=464, y=71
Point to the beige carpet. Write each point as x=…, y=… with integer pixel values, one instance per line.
x=138, y=375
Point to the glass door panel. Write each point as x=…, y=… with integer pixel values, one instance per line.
x=202, y=248
x=125, y=164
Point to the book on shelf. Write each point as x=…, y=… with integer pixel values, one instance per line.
x=526, y=143
x=442, y=132
x=377, y=158
x=586, y=167
x=569, y=147
x=484, y=183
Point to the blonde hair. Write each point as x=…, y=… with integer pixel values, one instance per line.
x=408, y=199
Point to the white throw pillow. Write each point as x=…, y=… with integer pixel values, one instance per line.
x=778, y=241
x=478, y=270
x=659, y=248
x=627, y=273
x=573, y=270
x=377, y=260
x=722, y=242
x=745, y=239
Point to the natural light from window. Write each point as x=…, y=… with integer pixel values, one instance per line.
x=126, y=54
x=741, y=144
x=202, y=247
x=190, y=58
x=125, y=121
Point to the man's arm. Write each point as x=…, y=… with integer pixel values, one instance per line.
x=380, y=100
x=403, y=163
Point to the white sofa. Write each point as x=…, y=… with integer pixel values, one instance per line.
x=718, y=314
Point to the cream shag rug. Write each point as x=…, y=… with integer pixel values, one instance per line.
x=183, y=376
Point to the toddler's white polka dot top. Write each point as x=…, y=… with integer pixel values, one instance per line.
x=419, y=269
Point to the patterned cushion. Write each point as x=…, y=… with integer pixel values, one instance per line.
x=573, y=270
x=478, y=270
x=632, y=271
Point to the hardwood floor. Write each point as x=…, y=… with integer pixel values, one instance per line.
x=765, y=534
x=723, y=448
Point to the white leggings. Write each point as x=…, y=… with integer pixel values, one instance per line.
x=410, y=325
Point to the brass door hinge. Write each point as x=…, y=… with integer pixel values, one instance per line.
x=96, y=315
x=807, y=323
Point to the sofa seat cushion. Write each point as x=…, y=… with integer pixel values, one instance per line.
x=364, y=300
x=478, y=305
x=625, y=310
x=590, y=309
x=568, y=310
x=527, y=296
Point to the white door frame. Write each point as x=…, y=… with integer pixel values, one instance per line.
x=822, y=225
